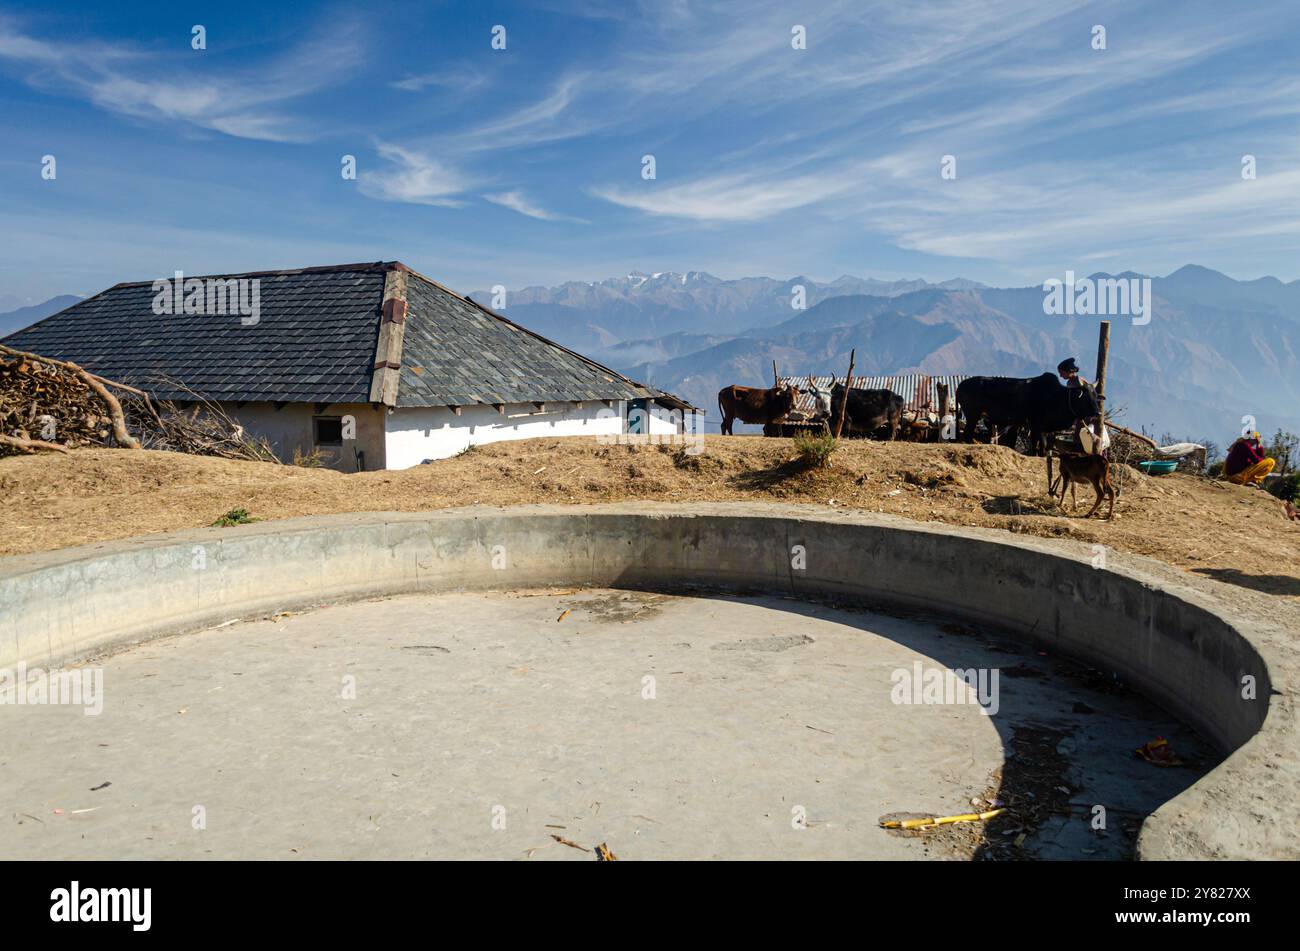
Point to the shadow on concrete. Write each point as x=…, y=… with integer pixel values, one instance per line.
x=1286, y=585
x=1068, y=731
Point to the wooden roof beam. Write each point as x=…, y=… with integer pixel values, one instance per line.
x=392, y=330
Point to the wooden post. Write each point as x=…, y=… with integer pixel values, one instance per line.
x=844, y=402
x=1103, y=353
x=776, y=380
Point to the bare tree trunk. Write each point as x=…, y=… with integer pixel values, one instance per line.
x=120, y=433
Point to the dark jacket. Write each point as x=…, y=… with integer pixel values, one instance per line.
x=1242, y=456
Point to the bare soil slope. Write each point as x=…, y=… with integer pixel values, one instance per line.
x=1227, y=532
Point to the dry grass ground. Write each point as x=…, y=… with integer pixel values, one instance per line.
x=1230, y=533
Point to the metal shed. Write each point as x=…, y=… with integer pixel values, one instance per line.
x=920, y=391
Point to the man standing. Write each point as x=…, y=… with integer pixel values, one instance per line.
x=1069, y=372
x=1085, y=430
x=1247, y=464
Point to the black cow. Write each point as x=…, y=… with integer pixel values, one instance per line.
x=1042, y=403
x=868, y=410
x=999, y=400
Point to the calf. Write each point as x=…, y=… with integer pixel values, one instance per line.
x=751, y=405
x=1077, y=469
x=867, y=410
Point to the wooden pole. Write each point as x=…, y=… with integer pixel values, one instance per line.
x=844, y=401
x=776, y=380
x=1103, y=354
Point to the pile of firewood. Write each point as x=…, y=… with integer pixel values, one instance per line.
x=53, y=405
x=202, y=429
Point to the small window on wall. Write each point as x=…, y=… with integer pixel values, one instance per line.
x=637, y=417
x=327, y=430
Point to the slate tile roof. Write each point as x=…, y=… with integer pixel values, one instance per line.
x=467, y=355
x=315, y=342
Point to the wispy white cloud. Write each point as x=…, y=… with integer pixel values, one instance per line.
x=834, y=150
x=1047, y=212
x=1026, y=95
x=533, y=124
x=517, y=201
x=990, y=84
x=735, y=197
x=462, y=79
x=124, y=79
x=413, y=177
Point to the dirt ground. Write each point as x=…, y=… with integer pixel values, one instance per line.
x=1233, y=534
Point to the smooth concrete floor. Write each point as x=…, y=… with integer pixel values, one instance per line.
x=483, y=724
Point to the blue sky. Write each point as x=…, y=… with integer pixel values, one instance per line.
x=522, y=166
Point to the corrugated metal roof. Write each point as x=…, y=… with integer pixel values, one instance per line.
x=920, y=391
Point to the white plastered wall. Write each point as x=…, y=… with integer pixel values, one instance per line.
x=416, y=433
x=289, y=428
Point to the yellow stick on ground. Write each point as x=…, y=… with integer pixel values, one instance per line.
x=940, y=820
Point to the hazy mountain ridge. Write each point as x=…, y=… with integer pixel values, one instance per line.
x=13, y=320
x=1209, y=356
x=1216, y=349
x=641, y=306
x=1238, y=357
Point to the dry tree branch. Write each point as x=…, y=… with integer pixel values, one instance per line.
x=96, y=383
x=35, y=388
x=30, y=445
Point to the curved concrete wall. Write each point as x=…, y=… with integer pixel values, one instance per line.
x=1181, y=641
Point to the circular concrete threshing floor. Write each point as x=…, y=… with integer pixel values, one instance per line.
x=536, y=724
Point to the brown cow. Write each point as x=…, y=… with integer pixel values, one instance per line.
x=751, y=405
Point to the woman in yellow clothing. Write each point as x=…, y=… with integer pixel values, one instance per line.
x=1247, y=464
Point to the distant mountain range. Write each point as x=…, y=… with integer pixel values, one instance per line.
x=13, y=320
x=645, y=306
x=1216, y=349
